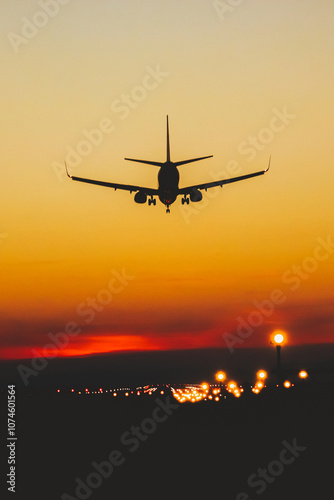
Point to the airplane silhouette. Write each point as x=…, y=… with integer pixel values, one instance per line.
x=168, y=182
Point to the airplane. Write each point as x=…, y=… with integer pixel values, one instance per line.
x=168, y=182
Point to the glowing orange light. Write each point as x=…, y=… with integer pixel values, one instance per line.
x=278, y=338
x=303, y=374
x=58, y=390
x=262, y=374
x=287, y=384
x=126, y=393
x=232, y=385
x=259, y=385
x=220, y=376
x=205, y=386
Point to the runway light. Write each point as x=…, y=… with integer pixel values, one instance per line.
x=262, y=374
x=205, y=386
x=190, y=394
x=303, y=374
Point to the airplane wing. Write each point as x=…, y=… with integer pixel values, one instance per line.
x=114, y=185
x=207, y=185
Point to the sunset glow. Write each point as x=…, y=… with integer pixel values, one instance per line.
x=84, y=269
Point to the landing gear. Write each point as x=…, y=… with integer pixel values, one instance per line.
x=185, y=200
x=167, y=210
x=152, y=201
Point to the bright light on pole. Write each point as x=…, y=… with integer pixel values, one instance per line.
x=220, y=376
x=278, y=338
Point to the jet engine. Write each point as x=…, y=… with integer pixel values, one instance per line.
x=196, y=195
x=140, y=197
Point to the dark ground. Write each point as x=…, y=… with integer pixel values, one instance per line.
x=201, y=450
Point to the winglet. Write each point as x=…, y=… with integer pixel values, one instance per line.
x=68, y=175
x=268, y=164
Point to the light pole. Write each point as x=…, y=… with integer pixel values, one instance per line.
x=278, y=340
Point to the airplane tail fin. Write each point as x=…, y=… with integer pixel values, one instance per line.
x=178, y=163
x=157, y=163
x=168, y=160
x=168, y=146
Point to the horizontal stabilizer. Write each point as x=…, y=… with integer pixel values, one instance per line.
x=178, y=163
x=157, y=163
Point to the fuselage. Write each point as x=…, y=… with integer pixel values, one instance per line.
x=168, y=183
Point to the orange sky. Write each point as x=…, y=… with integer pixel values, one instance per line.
x=130, y=277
